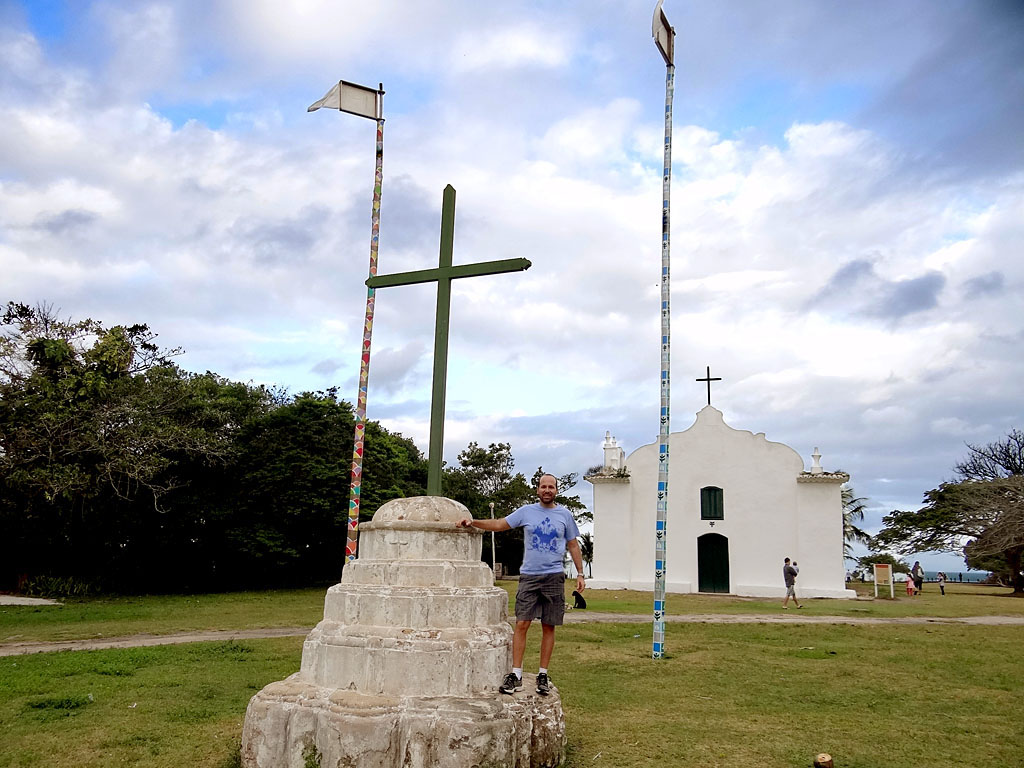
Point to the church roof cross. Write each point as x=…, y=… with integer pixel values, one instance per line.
x=443, y=275
x=708, y=378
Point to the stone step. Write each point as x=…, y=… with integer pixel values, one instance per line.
x=415, y=607
x=417, y=573
x=406, y=662
x=344, y=728
x=412, y=540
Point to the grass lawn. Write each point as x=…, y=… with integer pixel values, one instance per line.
x=726, y=695
x=960, y=600
x=166, y=614
x=167, y=706
x=80, y=618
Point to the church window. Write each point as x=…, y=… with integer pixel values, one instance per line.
x=711, y=507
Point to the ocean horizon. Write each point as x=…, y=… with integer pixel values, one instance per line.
x=968, y=577
x=973, y=577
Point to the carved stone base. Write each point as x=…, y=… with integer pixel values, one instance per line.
x=403, y=670
x=291, y=721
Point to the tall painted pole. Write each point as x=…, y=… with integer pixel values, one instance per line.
x=664, y=37
x=355, y=485
x=365, y=102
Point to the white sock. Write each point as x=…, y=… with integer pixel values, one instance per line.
x=518, y=672
x=542, y=671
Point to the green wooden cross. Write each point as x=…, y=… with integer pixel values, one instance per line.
x=443, y=275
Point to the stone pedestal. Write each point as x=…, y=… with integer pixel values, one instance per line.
x=404, y=669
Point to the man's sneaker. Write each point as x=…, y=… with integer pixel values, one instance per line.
x=511, y=683
x=543, y=684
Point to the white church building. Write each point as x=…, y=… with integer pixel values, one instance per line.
x=738, y=505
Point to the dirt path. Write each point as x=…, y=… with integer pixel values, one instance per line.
x=142, y=641
x=572, y=617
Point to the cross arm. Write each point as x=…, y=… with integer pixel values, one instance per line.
x=450, y=273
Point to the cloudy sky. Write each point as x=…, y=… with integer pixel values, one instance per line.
x=847, y=211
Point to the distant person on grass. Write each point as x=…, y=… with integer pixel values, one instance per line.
x=942, y=582
x=550, y=531
x=918, y=573
x=910, y=585
x=789, y=574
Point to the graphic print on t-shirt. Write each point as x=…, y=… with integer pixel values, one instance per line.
x=545, y=537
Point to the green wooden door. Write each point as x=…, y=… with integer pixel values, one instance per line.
x=713, y=563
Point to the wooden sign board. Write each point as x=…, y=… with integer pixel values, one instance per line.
x=883, y=577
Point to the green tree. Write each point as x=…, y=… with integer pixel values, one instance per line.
x=486, y=475
x=853, y=513
x=1003, y=458
x=90, y=431
x=587, y=551
x=278, y=513
x=119, y=468
x=985, y=518
x=898, y=566
x=393, y=468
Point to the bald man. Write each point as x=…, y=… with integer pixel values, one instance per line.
x=550, y=532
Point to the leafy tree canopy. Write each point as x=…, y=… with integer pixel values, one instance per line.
x=587, y=550
x=853, y=513
x=986, y=516
x=867, y=561
x=1003, y=458
x=118, y=468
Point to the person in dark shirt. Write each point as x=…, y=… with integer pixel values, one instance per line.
x=789, y=574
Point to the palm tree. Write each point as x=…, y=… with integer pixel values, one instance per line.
x=587, y=551
x=853, y=513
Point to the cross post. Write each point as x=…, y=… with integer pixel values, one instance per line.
x=709, y=379
x=443, y=276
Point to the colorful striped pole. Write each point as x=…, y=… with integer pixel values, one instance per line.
x=364, y=102
x=352, y=544
x=664, y=39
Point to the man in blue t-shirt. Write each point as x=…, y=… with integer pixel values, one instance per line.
x=550, y=531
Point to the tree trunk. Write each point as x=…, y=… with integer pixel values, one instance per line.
x=1013, y=559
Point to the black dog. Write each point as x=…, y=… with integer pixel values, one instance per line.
x=577, y=600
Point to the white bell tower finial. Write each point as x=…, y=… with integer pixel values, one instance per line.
x=816, y=466
x=613, y=454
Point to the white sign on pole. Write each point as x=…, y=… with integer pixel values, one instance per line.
x=664, y=35
x=351, y=98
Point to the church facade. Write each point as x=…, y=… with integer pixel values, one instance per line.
x=738, y=505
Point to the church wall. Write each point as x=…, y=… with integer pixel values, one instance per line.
x=821, y=541
x=759, y=500
x=768, y=515
x=643, y=500
x=613, y=534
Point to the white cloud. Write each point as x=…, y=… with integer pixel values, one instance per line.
x=504, y=48
x=244, y=238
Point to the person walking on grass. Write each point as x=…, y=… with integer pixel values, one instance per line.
x=918, y=573
x=789, y=574
x=550, y=532
x=942, y=582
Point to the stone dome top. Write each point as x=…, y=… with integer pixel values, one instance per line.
x=422, y=509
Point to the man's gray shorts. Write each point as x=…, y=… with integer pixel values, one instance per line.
x=791, y=590
x=541, y=597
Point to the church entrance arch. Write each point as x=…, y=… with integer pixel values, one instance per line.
x=712, y=563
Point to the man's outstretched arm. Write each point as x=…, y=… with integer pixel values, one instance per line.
x=500, y=524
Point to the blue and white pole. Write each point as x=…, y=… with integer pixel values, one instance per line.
x=664, y=38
